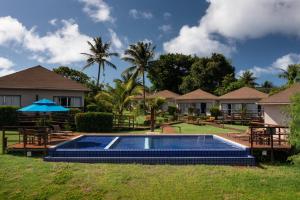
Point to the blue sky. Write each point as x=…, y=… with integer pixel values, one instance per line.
x=259, y=35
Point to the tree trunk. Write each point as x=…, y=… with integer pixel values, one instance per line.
x=152, y=119
x=98, y=78
x=144, y=92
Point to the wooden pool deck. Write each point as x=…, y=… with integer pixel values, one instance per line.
x=236, y=137
x=55, y=139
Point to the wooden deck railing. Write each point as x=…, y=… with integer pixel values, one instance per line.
x=268, y=135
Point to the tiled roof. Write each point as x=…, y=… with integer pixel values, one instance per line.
x=244, y=93
x=164, y=94
x=197, y=95
x=41, y=78
x=283, y=97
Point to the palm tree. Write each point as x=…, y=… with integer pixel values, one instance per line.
x=99, y=53
x=154, y=105
x=120, y=96
x=140, y=55
x=290, y=73
x=267, y=85
x=248, y=78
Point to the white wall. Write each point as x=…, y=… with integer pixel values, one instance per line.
x=183, y=105
x=276, y=114
x=29, y=96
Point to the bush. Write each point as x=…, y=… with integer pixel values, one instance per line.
x=99, y=107
x=215, y=112
x=191, y=110
x=92, y=108
x=294, y=136
x=94, y=122
x=172, y=110
x=8, y=116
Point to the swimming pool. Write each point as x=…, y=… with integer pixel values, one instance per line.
x=152, y=149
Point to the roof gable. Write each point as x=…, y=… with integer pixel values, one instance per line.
x=167, y=94
x=283, y=97
x=39, y=77
x=244, y=93
x=197, y=94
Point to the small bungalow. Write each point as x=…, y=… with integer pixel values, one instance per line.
x=29, y=85
x=199, y=100
x=169, y=96
x=242, y=100
x=275, y=106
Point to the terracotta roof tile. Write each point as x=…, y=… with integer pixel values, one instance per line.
x=164, y=94
x=197, y=94
x=39, y=77
x=283, y=97
x=244, y=93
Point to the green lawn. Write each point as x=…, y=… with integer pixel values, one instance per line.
x=205, y=129
x=31, y=178
x=241, y=127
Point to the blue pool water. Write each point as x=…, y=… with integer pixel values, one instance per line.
x=174, y=149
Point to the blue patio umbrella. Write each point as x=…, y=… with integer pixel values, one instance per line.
x=44, y=105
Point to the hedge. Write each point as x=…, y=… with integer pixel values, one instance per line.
x=8, y=115
x=94, y=122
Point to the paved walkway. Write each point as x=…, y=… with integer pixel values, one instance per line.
x=169, y=129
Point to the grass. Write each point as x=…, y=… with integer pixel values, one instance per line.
x=204, y=129
x=241, y=127
x=31, y=178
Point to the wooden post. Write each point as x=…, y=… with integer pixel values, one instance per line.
x=251, y=140
x=4, y=142
x=272, y=146
x=279, y=136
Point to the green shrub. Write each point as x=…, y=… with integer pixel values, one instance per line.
x=215, y=112
x=8, y=116
x=294, y=136
x=92, y=108
x=94, y=122
x=191, y=110
x=99, y=107
x=172, y=110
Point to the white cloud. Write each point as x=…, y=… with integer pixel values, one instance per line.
x=62, y=46
x=165, y=28
x=167, y=15
x=236, y=20
x=6, y=66
x=280, y=63
x=284, y=61
x=11, y=30
x=53, y=22
x=98, y=10
x=117, y=44
x=136, y=14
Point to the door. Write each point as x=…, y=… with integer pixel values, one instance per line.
x=203, y=108
x=229, y=109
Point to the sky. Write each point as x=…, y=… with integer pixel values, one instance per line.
x=257, y=35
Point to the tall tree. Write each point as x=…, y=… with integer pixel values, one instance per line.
x=119, y=96
x=291, y=73
x=267, y=86
x=248, y=78
x=72, y=74
x=167, y=72
x=140, y=55
x=207, y=74
x=100, y=54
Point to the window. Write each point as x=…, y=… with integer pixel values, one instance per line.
x=10, y=100
x=68, y=101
